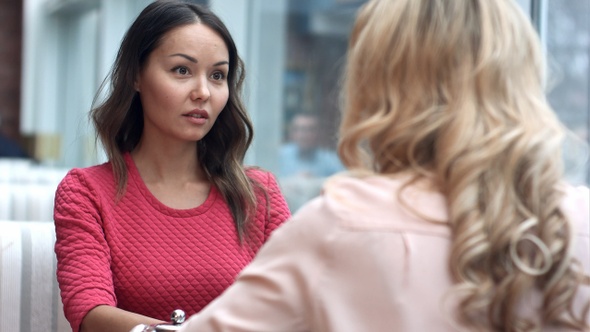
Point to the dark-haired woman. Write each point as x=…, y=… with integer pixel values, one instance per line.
x=173, y=216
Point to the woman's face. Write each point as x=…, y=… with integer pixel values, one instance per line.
x=183, y=86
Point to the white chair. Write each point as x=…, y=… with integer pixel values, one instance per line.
x=27, y=190
x=29, y=294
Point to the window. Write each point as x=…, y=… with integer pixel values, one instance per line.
x=565, y=29
x=294, y=51
x=313, y=49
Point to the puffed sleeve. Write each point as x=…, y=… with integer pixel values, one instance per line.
x=83, y=255
x=275, y=291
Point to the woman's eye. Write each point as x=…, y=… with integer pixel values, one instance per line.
x=218, y=76
x=181, y=70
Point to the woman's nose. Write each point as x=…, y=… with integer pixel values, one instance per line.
x=200, y=89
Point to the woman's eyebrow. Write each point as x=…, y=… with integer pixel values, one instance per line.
x=191, y=59
x=188, y=57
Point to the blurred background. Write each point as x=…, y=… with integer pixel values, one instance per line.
x=54, y=54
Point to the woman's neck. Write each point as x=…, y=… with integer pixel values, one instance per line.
x=178, y=164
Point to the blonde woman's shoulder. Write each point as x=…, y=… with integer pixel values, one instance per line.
x=370, y=200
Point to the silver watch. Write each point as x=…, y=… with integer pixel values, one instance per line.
x=176, y=319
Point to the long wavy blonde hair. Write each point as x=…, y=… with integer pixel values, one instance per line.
x=453, y=91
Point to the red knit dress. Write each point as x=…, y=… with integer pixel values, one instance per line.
x=142, y=256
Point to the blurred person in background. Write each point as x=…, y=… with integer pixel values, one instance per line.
x=302, y=156
x=304, y=163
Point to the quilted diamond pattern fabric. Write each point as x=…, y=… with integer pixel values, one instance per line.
x=142, y=256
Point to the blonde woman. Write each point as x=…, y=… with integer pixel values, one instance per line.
x=454, y=215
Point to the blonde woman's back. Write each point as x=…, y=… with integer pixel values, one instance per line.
x=393, y=264
x=452, y=91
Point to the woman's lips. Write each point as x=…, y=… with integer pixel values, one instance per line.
x=197, y=116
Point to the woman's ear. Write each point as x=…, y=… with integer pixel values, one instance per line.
x=137, y=82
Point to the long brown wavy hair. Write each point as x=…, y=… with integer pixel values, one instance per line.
x=119, y=118
x=453, y=91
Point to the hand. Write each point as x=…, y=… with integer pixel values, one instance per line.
x=142, y=328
